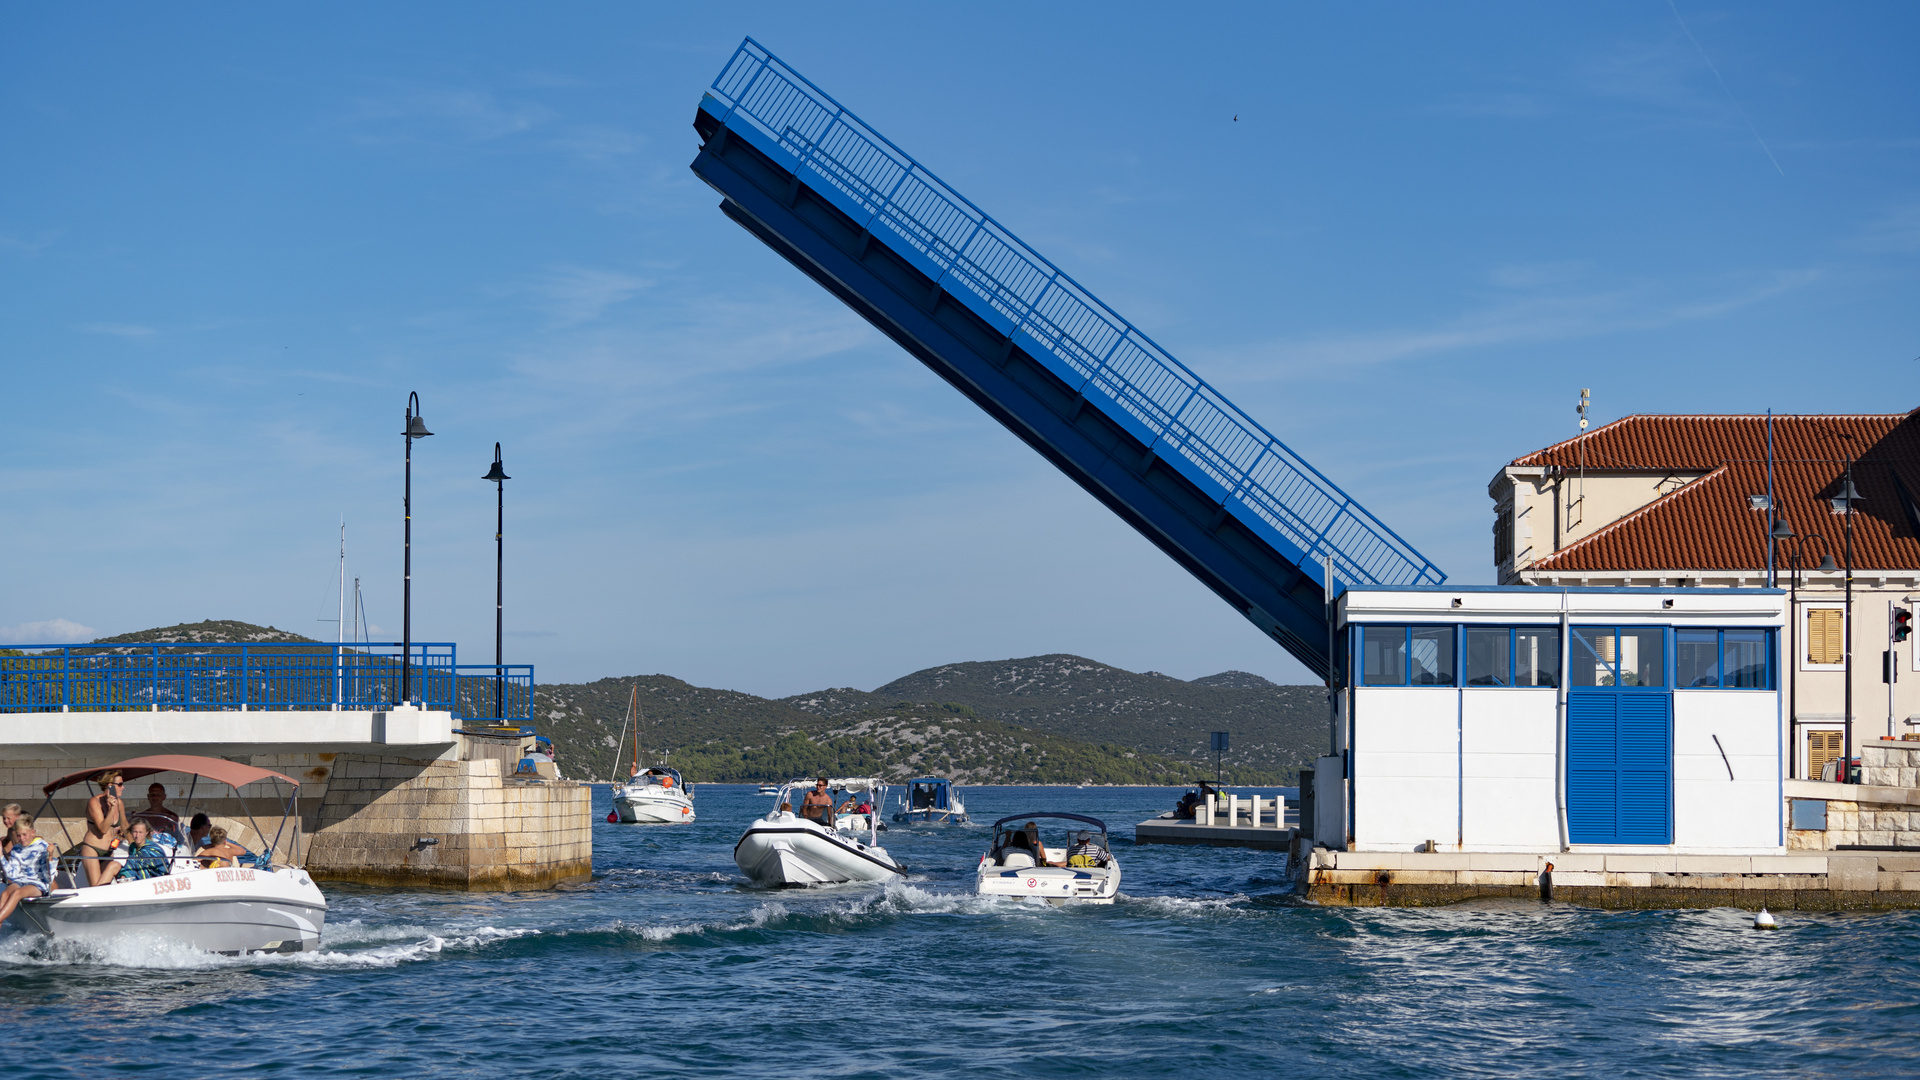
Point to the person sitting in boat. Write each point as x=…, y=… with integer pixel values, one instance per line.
x=220, y=851
x=1083, y=852
x=29, y=866
x=8, y=815
x=196, y=837
x=145, y=857
x=818, y=805
x=106, y=826
x=156, y=814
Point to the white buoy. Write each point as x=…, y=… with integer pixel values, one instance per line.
x=1764, y=921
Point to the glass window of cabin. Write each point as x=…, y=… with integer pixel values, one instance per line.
x=1486, y=656
x=1384, y=655
x=1745, y=662
x=1696, y=658
x=1643, y=656
x=1536, y=656
x=1593, y=656
x=1432, y=655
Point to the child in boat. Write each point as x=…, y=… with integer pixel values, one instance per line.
x=8, y=816
x=220, y=851
x=145, y=857
x=29, y=867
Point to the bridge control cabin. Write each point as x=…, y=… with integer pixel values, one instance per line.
x=1530, y=719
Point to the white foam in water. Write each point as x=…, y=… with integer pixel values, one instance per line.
x=151, y=951
x=1178, y=907
x=761, y=916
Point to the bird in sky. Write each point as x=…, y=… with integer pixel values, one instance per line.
x=1236, y=118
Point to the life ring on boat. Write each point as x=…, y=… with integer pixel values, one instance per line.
x=666, y=781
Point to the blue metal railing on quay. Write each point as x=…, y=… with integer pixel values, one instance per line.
x=1104, y=357
x=256, y=677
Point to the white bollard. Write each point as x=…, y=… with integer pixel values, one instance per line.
x=1279, y=811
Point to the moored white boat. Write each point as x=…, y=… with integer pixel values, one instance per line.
x=1081, y=870
x=784, y=848
x=226, y=909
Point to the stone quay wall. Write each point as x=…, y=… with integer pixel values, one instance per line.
x=451, y=825
x=1864, y=881
x=1881, y=811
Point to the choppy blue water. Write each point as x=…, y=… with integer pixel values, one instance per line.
x=666, y=960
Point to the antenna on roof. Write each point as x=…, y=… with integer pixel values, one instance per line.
x=1582, y=407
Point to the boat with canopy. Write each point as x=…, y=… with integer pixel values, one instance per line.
x=1081, y=869
x=931, y=799
x=263, y=902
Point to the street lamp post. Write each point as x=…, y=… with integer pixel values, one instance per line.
x=1849, y=495
x=1781, y=533
x=498, y=474
x=416, y=429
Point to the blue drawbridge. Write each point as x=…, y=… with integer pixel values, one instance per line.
x=1041, y=354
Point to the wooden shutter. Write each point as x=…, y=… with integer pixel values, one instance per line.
x=1823, y=636
x=1822, y=747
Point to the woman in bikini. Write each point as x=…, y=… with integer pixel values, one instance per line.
x=106, y=822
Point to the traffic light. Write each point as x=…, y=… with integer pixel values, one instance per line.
x=1902, y=623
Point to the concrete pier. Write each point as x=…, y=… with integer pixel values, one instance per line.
x=394, y=797
x=1836, y=881
x=1227, y=820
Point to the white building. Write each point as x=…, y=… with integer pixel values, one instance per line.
x=1528, y=719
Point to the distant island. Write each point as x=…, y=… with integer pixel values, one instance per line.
x=1054, y=719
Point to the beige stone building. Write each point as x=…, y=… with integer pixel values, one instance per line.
x=1683, y=501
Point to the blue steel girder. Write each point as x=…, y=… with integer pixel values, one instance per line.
x=991, y=368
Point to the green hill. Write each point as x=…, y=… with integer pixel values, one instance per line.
x=725, y=735
x=1274, y=728
x=223, y=631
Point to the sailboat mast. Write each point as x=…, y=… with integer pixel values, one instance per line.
x=340, y=624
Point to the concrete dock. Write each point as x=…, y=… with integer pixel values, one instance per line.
x=1227, y=820
x=1829, y=881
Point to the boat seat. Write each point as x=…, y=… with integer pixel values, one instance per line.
x=1016, y=859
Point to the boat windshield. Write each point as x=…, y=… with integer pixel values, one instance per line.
x=1062, y=839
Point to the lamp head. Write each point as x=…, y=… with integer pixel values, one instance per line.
x=1847, y=497
x=416, y=427
x=498, y=472
x=1827, y=565
x=1781, y=530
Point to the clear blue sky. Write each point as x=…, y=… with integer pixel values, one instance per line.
x=233, y=237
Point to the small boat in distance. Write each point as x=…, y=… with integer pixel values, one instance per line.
x=657, y=796
x=1081, y=870
x=785, y=849
x=931, y=799
x=232, y=909
x=769, y=789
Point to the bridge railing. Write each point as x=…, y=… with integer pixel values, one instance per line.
x=301, y=676
x=974, y=258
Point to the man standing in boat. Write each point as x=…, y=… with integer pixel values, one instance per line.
x=818, y=804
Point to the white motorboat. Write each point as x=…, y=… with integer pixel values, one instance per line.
x=931, y=800
x=227, y=909
x=784, y=848
x=1081, y=870
x=769, y=789
x=658, y=796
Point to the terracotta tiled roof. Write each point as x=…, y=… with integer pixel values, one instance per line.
x=1708, y=524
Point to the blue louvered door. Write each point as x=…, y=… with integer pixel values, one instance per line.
x=1619, y=767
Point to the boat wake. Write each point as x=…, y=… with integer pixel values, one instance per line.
x=381, y=947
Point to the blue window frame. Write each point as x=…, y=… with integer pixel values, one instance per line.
x=1511, y=656
x=1618, y=657
x=1723, y=659
x=1407, y=655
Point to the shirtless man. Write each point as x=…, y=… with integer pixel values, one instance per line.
x=106, y=825
x=818, y=805
x=156, y=815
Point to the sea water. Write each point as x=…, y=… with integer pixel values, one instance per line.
x=668, y=964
